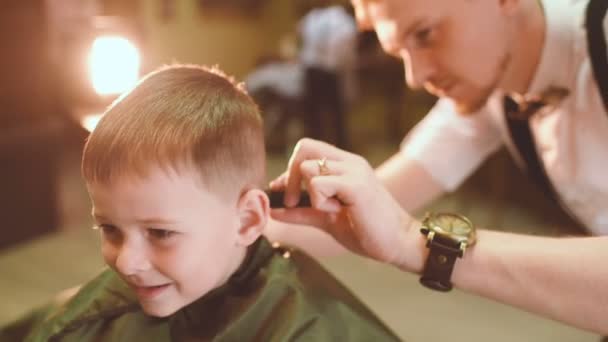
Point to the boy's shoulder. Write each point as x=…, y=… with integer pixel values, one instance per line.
x=104, y=298
x=277, y=294
x=300, y=299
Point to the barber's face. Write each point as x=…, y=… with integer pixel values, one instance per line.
x=453, y=48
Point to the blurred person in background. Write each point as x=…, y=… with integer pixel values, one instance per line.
x=328, y=52
x=277, y=86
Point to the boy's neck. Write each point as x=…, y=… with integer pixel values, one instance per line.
x=249, y=264
x=239, y=260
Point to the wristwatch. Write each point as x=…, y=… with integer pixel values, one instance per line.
x=448, y=236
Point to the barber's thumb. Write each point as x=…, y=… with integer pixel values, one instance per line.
x=304, y=216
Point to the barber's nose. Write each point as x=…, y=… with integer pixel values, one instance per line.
x=419, y=69
x=132, y=259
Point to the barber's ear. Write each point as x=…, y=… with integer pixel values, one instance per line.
x=253, y=210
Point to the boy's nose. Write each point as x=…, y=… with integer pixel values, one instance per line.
x=131, y=260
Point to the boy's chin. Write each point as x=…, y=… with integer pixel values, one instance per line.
x=162, y=308
x=159, y=311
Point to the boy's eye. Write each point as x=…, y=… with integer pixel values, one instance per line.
x=109, y=231
x=160, y=234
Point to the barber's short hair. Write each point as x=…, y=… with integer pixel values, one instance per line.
x=180, y=116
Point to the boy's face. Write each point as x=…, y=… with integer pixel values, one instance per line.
x=167, y=237
x=453, y=48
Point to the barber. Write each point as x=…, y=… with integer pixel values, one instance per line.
x=528, y=74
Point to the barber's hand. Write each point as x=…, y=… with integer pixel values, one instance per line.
x=348, y=202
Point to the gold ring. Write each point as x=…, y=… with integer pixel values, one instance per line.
x=323, y=169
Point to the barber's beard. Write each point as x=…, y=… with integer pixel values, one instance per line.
x=482, y=94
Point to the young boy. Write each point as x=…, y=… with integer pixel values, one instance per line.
x=174, y=170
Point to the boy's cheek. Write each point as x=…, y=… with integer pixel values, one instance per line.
x=109, y=254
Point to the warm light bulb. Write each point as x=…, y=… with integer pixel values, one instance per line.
x=113, y=65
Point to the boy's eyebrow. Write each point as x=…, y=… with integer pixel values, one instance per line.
x=143, y=221
x=155, y=220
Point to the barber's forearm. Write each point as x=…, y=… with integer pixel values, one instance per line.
x=409, y=183
x=559, y=278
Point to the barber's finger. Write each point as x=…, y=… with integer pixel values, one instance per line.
x=324, y=201
x=307, y=149
x=326, y=167
x=309, y=169
x=279, y=183
x=331, y=191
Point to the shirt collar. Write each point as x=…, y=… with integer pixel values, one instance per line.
x=556, y=63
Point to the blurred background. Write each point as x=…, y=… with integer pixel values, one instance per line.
x=63, y=61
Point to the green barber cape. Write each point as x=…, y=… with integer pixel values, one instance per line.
x=276, y=295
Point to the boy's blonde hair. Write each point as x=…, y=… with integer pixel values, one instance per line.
x=180, y=116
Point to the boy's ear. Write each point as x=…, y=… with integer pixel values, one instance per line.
x=253, y=210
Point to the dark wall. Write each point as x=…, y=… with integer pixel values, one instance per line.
x=29, y=123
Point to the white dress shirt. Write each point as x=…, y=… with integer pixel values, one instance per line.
x=571, y=140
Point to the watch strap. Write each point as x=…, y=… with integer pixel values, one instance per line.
x=440, y=263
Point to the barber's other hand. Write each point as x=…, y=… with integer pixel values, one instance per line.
x=348, y=202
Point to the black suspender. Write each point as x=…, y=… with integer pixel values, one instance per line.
x=596, y=42
x=518, y=122
x=523, y=141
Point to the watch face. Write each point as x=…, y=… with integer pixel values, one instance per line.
x=452, y=225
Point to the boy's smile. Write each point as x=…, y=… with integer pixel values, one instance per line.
x=167, y=237
x=148, y=292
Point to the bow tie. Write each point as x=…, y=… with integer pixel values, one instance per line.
x=522, y=107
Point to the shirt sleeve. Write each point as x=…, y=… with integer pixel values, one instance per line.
x=450, y=146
